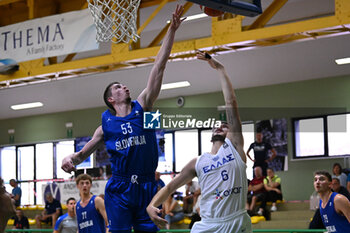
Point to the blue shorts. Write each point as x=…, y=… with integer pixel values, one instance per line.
x=126, y=201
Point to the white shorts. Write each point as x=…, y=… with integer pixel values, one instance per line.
x=237, y=222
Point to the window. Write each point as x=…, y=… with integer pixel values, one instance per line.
x=322, y=136
x=27, y=193
x=339, y=134
x=206, y=140
x=186, y=147
x=63, y=149
x=44, y=161
x=248, y=136
x=8, y=165
x=25, y=162
x=309, y=137
x=39, y=192
x=167, y=165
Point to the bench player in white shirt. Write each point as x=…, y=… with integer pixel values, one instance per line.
x=221, y=173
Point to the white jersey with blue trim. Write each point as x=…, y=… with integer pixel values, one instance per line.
x=223, y=181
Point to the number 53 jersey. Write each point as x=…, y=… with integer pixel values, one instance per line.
x=223, y=181
x=132, y=148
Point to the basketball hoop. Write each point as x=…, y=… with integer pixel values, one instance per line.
x=115, y=20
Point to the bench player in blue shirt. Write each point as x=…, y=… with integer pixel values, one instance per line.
x=334, y=207
x=90, y=209
x=133, y=150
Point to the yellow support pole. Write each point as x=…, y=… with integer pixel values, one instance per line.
x=30, y=4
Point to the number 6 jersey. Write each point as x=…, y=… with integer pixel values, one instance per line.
x=223, y=181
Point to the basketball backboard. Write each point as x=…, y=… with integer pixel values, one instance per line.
x=249, y=8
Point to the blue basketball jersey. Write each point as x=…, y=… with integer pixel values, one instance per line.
x=132, y=148
x=331, y=219
x=89, y=219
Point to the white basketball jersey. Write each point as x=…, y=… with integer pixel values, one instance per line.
x=223, y=181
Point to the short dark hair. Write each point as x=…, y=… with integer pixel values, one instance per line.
x=107, y=94
x=324, y=173
x=335, y=178
x=83, y=177
x=70, y=199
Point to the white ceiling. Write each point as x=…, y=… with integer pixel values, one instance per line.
x=284, y=63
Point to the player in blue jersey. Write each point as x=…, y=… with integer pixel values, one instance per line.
x=133, y=150
x=90, y=209
x=334, y=207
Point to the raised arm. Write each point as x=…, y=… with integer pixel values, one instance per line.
x=151, y=92
x=76, y=158
x=233, y=118
x=185, y=176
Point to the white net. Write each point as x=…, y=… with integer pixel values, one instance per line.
x=115, y=20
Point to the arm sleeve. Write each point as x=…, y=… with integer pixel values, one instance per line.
x=251, y=146
x=58, y=223
x=278, y=180
x=265, y=181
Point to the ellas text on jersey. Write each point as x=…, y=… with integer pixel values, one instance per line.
x=218, y=163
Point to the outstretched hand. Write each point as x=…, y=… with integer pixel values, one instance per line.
x=153, y=213
x=176, y=21
x=212, y=62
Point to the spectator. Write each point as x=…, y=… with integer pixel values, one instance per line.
x=16, y=192
x=160, y=183
x=192, y=192
x=339, y=189
x=348, y=183
x=261, y=153
x=102, y=173
x=21, y=221
x=257, y=192
x=50, y=214
x=338, y=173
x=272, y=184
x=7, y=208
x=173, y=211
x=67, y=223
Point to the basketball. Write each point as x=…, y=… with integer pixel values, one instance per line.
x=211, y=12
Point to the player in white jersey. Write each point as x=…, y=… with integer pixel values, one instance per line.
x=221, y=173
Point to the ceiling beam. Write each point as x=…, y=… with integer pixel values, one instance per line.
x=270, y=11
x=6, y=2
x=228, y=36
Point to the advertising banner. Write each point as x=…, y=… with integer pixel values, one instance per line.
x=50, y=36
